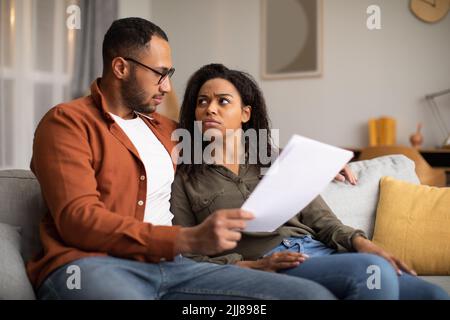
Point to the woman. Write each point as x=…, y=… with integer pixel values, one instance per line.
x=225, y=101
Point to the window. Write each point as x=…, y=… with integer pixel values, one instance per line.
x=36, y=65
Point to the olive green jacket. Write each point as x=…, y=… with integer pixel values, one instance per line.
x=195, y=197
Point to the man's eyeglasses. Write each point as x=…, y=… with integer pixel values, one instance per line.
x=163, y=75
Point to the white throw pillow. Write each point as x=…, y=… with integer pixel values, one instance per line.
x=356, y=205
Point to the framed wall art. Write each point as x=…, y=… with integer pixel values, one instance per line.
x=291, y=38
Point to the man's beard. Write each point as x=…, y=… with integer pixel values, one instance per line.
x=133, y=96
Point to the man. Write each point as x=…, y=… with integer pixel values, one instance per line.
x=104, y=168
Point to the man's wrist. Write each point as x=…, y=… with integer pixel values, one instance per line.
x=184, y=241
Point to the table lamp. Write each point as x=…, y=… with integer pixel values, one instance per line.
x=438, y=116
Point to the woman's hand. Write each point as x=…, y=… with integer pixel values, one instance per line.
x=366, y=246
x=347, y=174
x=276, y=261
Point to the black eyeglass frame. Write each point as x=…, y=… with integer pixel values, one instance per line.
x=167, y=73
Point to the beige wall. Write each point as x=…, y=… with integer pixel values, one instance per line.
x=366, y=73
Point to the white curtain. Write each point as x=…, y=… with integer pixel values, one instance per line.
x=37, y=67
x=97, y=16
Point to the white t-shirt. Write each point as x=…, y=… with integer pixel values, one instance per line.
x=158, y=166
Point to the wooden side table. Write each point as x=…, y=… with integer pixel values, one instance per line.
x=438, y=158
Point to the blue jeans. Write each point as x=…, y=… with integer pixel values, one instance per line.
x=114, y=278
x=351, y=275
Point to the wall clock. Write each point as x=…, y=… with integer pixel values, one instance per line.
x=430, y=10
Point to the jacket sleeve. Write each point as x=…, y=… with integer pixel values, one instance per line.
x=328, y=228
x=180, y=206
x=62, y=162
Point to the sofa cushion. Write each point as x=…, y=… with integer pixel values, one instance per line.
x=356, y=205
x=14, y=283
x=22, y=205
x=413, y=223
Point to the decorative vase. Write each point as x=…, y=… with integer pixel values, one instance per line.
x=416, y=139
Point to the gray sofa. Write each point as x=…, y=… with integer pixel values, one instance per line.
x=21, y=208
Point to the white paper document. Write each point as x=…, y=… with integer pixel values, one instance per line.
x=300, y=173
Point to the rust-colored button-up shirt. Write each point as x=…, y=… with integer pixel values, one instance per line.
x=90, y=176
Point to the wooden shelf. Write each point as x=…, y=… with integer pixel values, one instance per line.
x=438, y=158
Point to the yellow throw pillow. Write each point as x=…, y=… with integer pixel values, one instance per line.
x=413, y=223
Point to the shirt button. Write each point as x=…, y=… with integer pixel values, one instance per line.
x=140, y=202
x=286, y=242
x=142, y=178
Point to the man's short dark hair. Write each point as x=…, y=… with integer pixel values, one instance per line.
x=126, y=37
